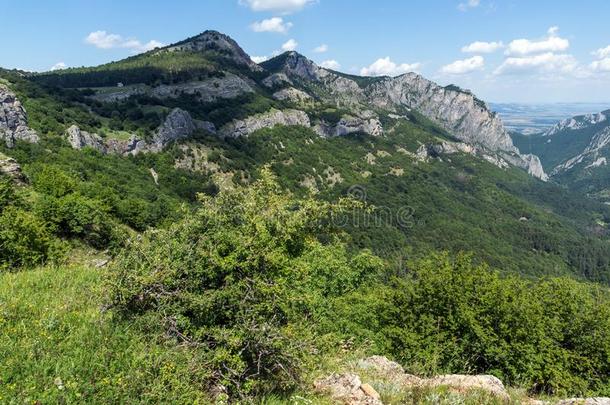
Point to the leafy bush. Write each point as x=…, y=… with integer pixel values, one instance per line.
x=241, y=280
x=74, y=215
x=25, y=240
x=551, y=336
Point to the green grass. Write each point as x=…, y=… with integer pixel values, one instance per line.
x=57, y=345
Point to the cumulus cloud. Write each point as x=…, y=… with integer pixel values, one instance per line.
x=105, y=40
x=259, y=59
x=482, y=47
x=602, y=65
x=290, y=45
x=321, y=49
x=548, y=62
x=59, y=66
x=469, y=4
x=331, y=64
x=552, y=43
x=275, y=24
x=460, y=67
x=385, y=67
x=602, y=52
x=280, y=6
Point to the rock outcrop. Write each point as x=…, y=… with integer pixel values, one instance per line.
x=530, y=163
x=80, y=139
x=578, y=122
x=10, y=168
x=13, y=120
x=592, y=155
x=348, y=389
x=455, y=110
x=293, y=95
x=276, y=80
x=228, y=86
x=349, y=124
x=269, y=119
x=178, y=125
x=390, y=378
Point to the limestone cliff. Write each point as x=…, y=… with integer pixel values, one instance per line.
x=13, y=119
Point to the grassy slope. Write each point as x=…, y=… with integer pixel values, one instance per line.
x=58, y=346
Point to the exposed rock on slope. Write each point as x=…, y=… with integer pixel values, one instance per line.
x=592, y=155
x=10, y=168
x=13, y=119
x=350, y=124
x=390, y=378
x=178, y=125
x=457, y=111
x=578, y=122
x=269, y=119
x=80, y=139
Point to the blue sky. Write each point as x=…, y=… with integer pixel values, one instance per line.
x=527, y=51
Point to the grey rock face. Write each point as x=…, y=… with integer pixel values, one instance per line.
x=229, y=86
x=592, y=155
x=457, y=111
x=13, y=120
x=269, y=119
x=9, y=167
x=350, y=124
x=292, y=94
x=277, y=79
x=214, y=41
x=177, y=125
x=578, y=122
x=79, y=139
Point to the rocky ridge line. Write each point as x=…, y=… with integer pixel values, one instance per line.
x=457, y=111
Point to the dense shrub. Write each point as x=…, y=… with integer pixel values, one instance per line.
x=552, y=336
x=241, y=280
x=25, y=240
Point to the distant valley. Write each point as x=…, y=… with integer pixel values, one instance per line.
x=528, y=118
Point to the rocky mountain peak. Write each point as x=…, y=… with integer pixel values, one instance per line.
x=294, y=64
x=578, y=122
x=214, y=41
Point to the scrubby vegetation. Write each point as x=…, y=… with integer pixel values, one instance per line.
x=242, y=301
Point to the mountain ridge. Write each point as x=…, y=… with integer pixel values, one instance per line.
x=456, y=111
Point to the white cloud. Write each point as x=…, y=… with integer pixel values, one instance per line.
x=321, y=49
x=469, y=4
x=460, y=67
x=602, y=52
x=105, y=40
x=281, y=6
x=385, y=67
x=290, y=45
x=275, y=24
x=482, y=47
x=548, y=62
x=602, y=65
x=552, y=43
x=259, y=59
x=59, y=66
x=331, y=64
